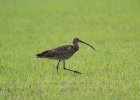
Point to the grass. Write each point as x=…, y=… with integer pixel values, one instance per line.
x=28, y=27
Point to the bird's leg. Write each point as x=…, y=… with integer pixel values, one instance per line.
x=57, y=66
x=70, y=69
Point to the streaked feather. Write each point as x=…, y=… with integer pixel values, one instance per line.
x=59, y=53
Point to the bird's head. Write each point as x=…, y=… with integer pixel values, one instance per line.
x=76, y=40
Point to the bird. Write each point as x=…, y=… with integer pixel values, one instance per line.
x=63, y=53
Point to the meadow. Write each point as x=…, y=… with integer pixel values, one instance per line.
x=28, y=27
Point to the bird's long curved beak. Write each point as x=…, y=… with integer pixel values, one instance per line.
x=86, y=44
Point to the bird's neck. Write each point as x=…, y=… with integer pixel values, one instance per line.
x=75, y=45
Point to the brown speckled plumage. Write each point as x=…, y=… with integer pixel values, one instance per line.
x=62, y=53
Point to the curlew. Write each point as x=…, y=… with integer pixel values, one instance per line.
x=63, y=53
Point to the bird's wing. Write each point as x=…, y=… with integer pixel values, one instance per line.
x=59, y=51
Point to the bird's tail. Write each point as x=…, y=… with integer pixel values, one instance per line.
x=39, y=55
x=42, y=55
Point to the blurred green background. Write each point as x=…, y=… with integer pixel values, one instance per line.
x=28, y=27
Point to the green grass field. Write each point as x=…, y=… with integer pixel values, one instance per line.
x=28, y=27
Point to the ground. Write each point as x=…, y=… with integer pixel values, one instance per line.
x=28, y=27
